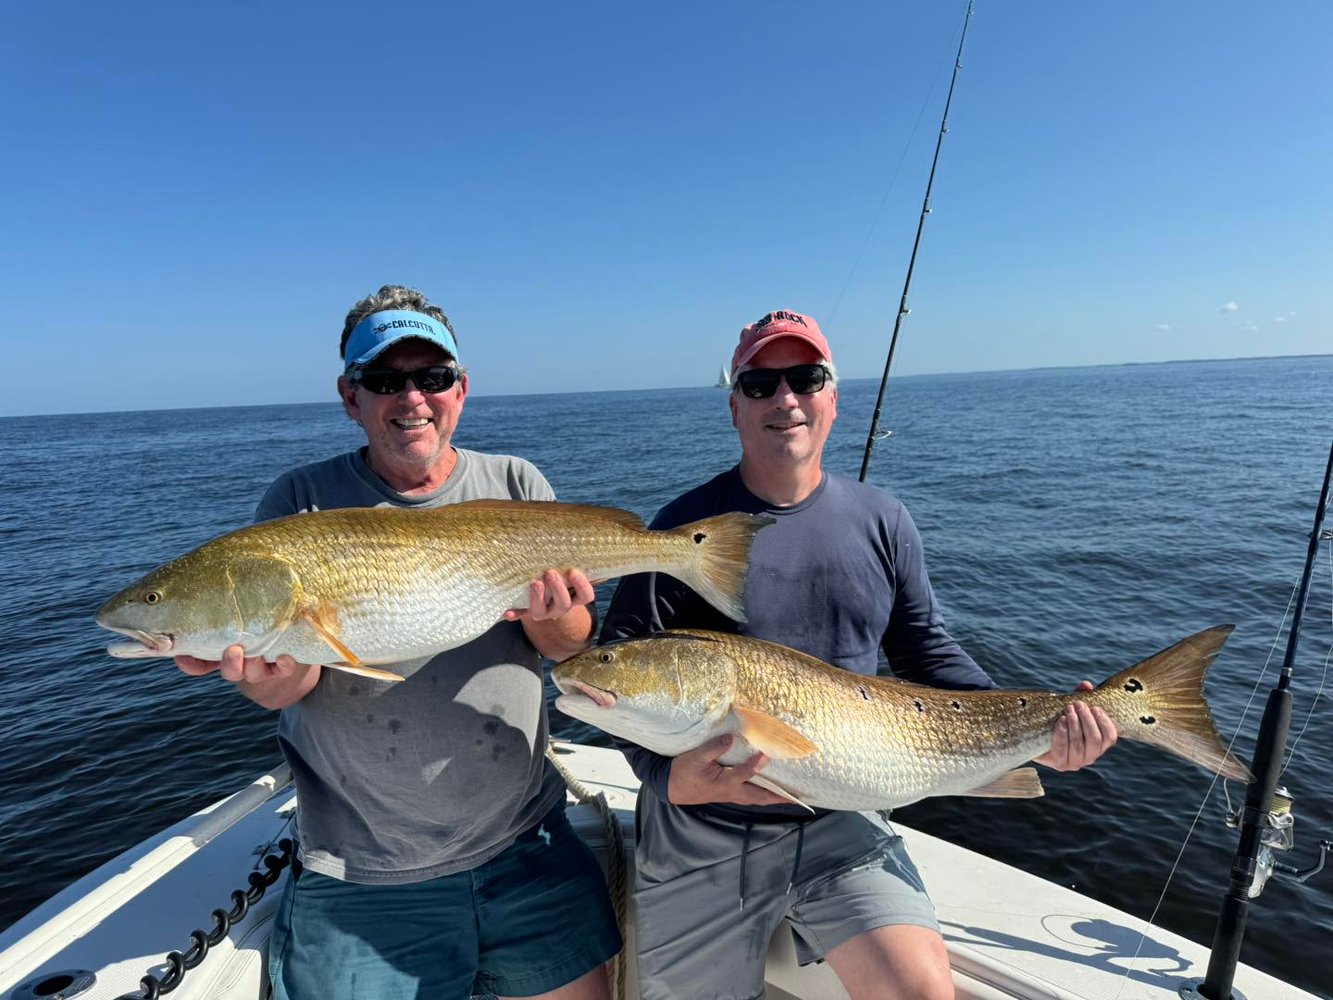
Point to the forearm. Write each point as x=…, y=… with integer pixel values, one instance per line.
x=557, y=638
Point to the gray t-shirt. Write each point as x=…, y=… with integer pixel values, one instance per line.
x=437, y=773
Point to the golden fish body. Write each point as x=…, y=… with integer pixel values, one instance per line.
x=839, y=740
x=363, y=586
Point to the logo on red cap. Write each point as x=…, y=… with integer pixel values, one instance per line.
x=774, y=317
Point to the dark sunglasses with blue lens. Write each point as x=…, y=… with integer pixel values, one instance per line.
x=760, y=383
x=391, y=381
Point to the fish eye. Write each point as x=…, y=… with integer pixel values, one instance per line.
x=606, y=657
x=152, y=597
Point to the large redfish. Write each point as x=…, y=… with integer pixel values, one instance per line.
x=347, y=588
x=839, y=740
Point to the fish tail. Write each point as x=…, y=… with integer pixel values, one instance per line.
x=1160, y=701
x=721, y=556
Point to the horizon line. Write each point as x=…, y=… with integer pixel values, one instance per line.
x=666, y=388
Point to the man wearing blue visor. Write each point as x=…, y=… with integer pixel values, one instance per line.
x=435, y=858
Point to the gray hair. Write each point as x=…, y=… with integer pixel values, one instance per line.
x=391, y=297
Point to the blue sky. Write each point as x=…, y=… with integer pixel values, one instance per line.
x=600, y=195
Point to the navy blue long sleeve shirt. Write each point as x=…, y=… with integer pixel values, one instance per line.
x=839, y=576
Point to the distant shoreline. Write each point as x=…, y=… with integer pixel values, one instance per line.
x=669, y=388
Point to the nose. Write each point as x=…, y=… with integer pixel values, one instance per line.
x=784, y=392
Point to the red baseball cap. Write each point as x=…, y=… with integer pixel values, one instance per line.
x=774, y=326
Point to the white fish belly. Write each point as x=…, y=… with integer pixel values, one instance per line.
x=435, y=615
x=867, y=778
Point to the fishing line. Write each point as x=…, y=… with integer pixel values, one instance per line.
x=1318, y=694
x=1235, y=735
x=874, y=223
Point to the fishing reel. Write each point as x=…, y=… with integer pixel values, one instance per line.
x=1279, y=834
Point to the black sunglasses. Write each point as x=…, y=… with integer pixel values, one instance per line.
x=391, y=381
x=760, y=383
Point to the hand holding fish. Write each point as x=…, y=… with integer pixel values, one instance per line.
x=272, y=685
x=557, y=620
x=1081, y=736
x=554, y=595
x=697, y=777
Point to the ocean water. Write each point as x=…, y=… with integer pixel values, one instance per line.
x=1075, y=521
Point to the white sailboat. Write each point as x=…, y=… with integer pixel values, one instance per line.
x=1009, y=934
x=723, y=378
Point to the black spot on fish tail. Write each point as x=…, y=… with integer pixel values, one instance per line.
x=1022, y=703
x=864, y=693
x=491, y=728
x=1133, y=685
x=956, y=705
x=920, y=705
x=699, y=538
x=1147, y=720
x=394, y=726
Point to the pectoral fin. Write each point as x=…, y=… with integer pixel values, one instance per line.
x=324, y=620
x=1021, y=783
x=773, y=736
x=364, y=671
x=776, y=789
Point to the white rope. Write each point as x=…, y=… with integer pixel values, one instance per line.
x=617, y=870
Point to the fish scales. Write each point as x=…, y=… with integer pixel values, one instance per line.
x=839, y=740
x=881, y=736
x=385, y=585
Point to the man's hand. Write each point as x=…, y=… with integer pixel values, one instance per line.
x=557, y=620
x=1081, y=736
x=554, y=595
x=272, y=685
x=696, y=777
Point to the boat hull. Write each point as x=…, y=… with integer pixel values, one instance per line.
x=1009, y=934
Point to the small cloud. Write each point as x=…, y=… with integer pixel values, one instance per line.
x=1279, y=319
x=1290, y=313
x=1164, y=327
x=1230, y=307
x=1250, y=327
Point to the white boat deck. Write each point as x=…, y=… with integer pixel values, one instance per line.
x=1009, y=933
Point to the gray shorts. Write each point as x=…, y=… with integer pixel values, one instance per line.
x=707, y=904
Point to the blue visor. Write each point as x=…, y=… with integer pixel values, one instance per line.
x=381, y=330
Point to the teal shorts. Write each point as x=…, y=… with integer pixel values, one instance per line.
x=533, y=918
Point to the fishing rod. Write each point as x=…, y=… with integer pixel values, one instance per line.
x=874, y=434
x=1264, y=826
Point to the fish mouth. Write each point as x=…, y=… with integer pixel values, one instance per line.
x=145, y=644
x=598, y=696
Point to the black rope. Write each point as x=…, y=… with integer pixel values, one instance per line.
x=179, y=963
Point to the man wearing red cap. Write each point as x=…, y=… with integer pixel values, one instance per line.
x=839, y=575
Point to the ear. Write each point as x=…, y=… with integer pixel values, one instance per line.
x=731, y=403
x=347, y=393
